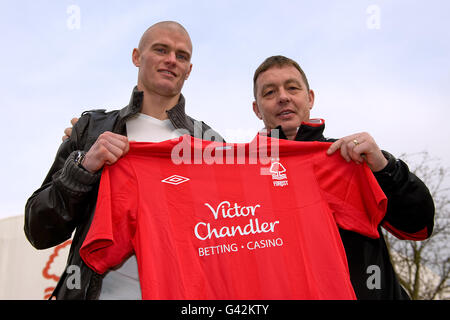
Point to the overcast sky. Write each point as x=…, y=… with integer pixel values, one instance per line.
x=376, y=66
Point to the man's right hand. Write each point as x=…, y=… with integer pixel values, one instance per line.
x=108, y=148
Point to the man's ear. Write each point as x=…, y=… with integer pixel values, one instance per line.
x=135, y=57
x=189, y=73
x=256, y=110
x=311, y=99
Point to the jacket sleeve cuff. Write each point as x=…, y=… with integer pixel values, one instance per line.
x=74, y=179
x=385, y=177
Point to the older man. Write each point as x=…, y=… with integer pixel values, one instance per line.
x=283, y=101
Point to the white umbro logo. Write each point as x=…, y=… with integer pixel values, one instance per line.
x=175, y=179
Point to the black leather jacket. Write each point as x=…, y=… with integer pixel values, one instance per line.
x=66, y=200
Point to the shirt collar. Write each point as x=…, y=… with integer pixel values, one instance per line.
x=176, y=114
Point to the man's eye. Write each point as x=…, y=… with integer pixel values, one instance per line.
x=160, y=50
x=268, y=93
x=182, y=57
x=293, y=88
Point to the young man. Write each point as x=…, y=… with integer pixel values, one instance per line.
x=283, y=101
x=66, y=200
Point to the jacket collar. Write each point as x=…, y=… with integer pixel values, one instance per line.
x=135, y=104
x=308, y=131
x=176, y=114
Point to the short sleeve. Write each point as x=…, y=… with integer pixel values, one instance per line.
x=352, y=193
x=109, y=239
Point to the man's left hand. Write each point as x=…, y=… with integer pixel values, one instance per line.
x=68, y=131
x=360, y=147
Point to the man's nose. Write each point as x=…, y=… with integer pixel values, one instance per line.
x=171, y=58
x=283, y=96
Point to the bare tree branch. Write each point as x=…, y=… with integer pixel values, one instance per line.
x=424, y=267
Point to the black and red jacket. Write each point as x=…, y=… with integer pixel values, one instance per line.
x=409, y=216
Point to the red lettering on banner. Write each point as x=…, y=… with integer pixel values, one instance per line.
x=45, y=272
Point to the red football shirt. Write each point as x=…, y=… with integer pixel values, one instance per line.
x=211, y=221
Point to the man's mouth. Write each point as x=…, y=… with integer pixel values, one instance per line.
x=165, y=71
x=285, y=113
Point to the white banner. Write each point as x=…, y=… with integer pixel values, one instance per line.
x=25, y=272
